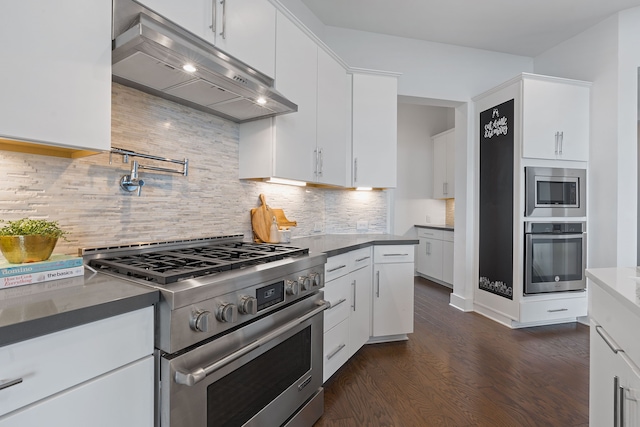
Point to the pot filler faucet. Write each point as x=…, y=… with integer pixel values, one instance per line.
x=132, y=182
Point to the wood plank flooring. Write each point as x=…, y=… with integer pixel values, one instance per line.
x=462, y=369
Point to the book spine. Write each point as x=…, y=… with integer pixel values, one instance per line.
x=43, y=276
x=40, y=267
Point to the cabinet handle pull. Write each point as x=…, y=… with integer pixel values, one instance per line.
x=616, y=402
x=561, y=141
x=214, y=16
x=556, y=310
x=315, y=170
x=337, y=304
x=395, y=254
x=445, y=188
x=557, y=137
x=607, y=339
x=10, y=383
x=336, y=269
x=428, y=248
x=363, y=258
x=378, y=280
x=355, y=170
x=336, y=351
x=223, y=33
x=354, y=295
x=321, y=161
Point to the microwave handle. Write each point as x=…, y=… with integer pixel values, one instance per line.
x=199, y=374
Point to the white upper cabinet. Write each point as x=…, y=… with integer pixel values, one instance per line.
x=444, y=157
x=374, y=130
x=555, y=118
x=245, y=29
x=332, y=143
x=56, y=77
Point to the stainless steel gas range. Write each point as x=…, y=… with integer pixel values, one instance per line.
x=238, y=328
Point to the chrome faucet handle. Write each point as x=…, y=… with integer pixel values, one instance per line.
x=140, y=183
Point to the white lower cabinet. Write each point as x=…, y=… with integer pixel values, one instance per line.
x=435, y=255
x=102, y=369
x=346, y=323
x=392, y=309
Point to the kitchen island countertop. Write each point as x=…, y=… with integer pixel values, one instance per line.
x=336, y=244
x=623, y=283
x=33, y=310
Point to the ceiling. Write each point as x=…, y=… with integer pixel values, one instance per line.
x=518, y=27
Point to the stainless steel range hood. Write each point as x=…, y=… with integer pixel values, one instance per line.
x=149, y=53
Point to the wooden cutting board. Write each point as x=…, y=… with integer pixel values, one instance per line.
x=261, y=219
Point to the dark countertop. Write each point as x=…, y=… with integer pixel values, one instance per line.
x=336, y=244
x=435, y=226
x=34, y=310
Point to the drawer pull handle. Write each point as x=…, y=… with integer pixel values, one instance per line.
x=395, y=254
x=608, y=340
x=362, y=259
x=10, y=383
x=337, y=304
x=336, y=351
x=557, y=310
x=336, y=269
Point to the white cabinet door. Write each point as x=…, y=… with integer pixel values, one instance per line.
x=392, y=299
x=444, y=165
x=555, y=120
x=247, y=30
x=360, y=317
x=55, y=79
x=296, y=78
x=431, y=258
x=332, y=143
x=123, y=397
x=447, y=262
x=195, y=16
x=374, y=130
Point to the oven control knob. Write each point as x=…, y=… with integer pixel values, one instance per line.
x=306, y=282
x=292, y=287
x=227, y=313
x=248, y=305
x=200, y=321
x=315, y=279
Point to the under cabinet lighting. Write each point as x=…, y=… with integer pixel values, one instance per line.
x=287, y=182
x=261, y=101
x=189, y=68
x=364, y=188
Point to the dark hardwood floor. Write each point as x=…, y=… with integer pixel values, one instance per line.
x=462, y=369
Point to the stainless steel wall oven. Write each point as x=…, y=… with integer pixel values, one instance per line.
x=555, y=257
x=239, y=329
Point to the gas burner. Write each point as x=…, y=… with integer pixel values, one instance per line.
x=187, y=260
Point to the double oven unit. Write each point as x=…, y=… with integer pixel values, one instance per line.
x=555, y=230
x=239, y=329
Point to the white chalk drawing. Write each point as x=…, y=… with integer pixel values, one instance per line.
x=497, y=126
x=496, y=287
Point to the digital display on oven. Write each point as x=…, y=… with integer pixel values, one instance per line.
x=270, y=295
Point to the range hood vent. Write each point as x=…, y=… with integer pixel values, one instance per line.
x=149, y=53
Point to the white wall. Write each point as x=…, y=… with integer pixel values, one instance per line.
x=412, y=198
x=608, y=55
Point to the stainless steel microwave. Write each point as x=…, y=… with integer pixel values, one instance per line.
x=555, y=192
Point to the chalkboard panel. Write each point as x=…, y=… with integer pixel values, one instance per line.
x=496, y=200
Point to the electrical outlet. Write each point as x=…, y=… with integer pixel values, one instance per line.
x=362, y=225
x=428, y=219
x=317, y=227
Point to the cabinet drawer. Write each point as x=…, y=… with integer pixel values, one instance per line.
x=55, y=362
x=338, y=293
x=430, y=233
x=336, y=353
x=360, y=258
x=447, y=236
x=393, y=254
x=552, y=309
x=336, y=266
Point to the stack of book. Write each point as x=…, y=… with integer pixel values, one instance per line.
x=56, y=267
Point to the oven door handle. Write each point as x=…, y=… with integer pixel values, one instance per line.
x=197, y=375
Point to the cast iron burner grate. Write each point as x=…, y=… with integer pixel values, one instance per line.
x=168, y=266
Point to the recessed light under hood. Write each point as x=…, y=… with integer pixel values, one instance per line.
x=149, y=53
